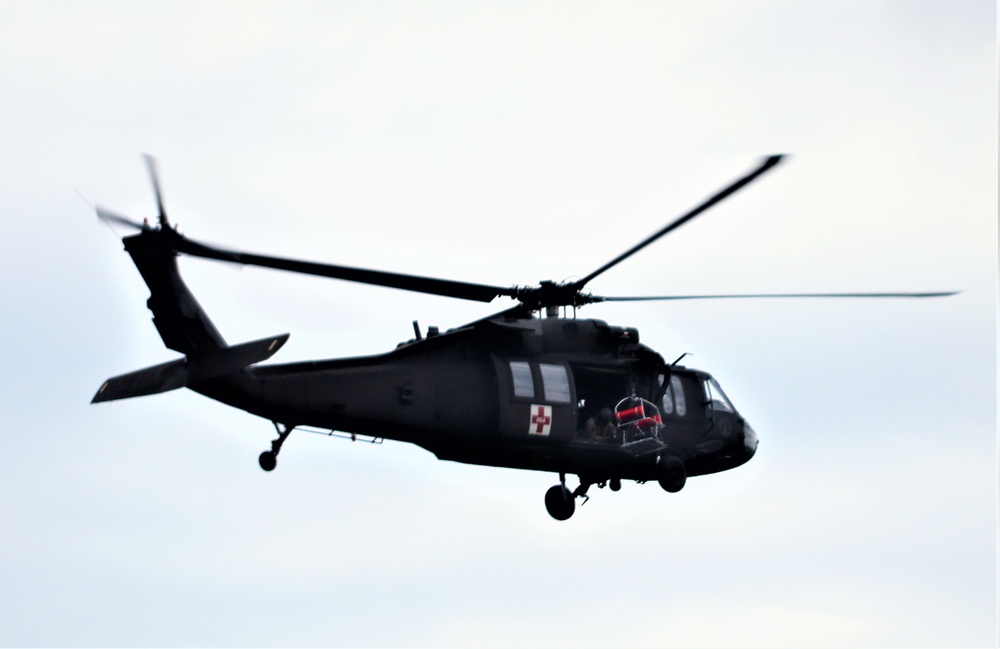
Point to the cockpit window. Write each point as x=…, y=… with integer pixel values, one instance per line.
x=673, y=398
x=524, y=386
x=715, y=396
x=555, y=382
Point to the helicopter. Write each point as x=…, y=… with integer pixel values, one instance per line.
x=526, y=388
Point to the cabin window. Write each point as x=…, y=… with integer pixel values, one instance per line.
x=524, y=386
x=673, y=398
x=555, y=382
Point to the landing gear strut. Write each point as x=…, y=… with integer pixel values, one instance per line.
x=560, y=502
x=269, y=459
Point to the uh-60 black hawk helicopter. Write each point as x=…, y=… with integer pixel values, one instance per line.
x=560, y=394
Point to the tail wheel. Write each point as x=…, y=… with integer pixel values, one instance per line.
x=268, y=460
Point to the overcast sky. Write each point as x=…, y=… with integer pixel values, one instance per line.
x=505, y=143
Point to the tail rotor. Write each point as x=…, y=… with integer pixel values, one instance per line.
x=113, y=218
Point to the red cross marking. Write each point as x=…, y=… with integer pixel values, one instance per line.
x=541, y=420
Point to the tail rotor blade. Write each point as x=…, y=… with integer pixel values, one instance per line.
x=110, y=218
x=154, y=177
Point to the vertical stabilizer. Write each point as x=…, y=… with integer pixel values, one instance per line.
x=182, y=323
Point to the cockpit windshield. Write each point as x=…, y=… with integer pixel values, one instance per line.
x=716, y=397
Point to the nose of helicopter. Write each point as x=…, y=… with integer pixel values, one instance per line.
x=749, y=440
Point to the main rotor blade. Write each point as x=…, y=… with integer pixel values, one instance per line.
x=725, y=193
x=154, y=177
x=596, y=298
x=433, y=286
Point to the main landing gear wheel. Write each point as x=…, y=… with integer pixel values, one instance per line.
x=673, y=475
x=559, y=502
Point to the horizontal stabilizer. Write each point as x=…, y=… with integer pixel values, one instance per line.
x=185, y=371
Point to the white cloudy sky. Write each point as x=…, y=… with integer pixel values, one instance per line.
x=505, y=143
